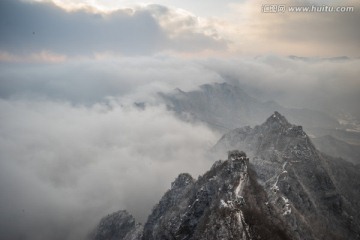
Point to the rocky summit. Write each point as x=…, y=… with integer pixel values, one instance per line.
x=224, y=203
x=317, y=193
x=281, y=188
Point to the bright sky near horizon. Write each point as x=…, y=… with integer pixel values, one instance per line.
x=203, y=8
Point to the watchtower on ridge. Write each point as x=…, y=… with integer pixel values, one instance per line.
x=237, y=155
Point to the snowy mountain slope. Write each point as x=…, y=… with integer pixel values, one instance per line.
x=224, y=107
x=284, y=189
x=321, y=190
x=225, y=203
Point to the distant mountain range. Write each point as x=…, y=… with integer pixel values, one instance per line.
x=321, y=189
x=282, y=188
x=338, y=148
x=224, y=107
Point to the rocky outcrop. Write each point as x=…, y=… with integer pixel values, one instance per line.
x=281, y=188
x=225, y=203
x=309, y=187
x=118, y=225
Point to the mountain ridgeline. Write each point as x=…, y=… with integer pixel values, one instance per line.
x=223, y=107
x=281, y=188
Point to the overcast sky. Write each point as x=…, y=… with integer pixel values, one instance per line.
x=73, y=145
x=56, y=30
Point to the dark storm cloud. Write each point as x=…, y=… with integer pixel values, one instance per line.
x=30, y=27
x=35, y=27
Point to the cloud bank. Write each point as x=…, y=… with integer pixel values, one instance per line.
x=63, y=167
x=326, y=84
x=43, y=31
x=330, y=85
x=74, y=146
x=31, y=27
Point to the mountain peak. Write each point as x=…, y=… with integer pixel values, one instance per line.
x=278, y=123
x=277, y=117
x=274, y=136
x=277, y=120
x=221, y=204
x=182, y=180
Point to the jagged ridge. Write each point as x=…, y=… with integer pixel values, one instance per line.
x=224, y=203
x=300, y=180
x=303, y=194
x=218, y=205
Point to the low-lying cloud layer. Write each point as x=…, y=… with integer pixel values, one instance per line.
x=74, y=146
x=330, y=85
x=63, y=167
x=323, y=84
x=86, y=82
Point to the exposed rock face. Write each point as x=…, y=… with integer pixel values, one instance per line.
x=282, y=188
x=118, y=225
x=317, y=194
x=224, y=107
x=225, y=203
